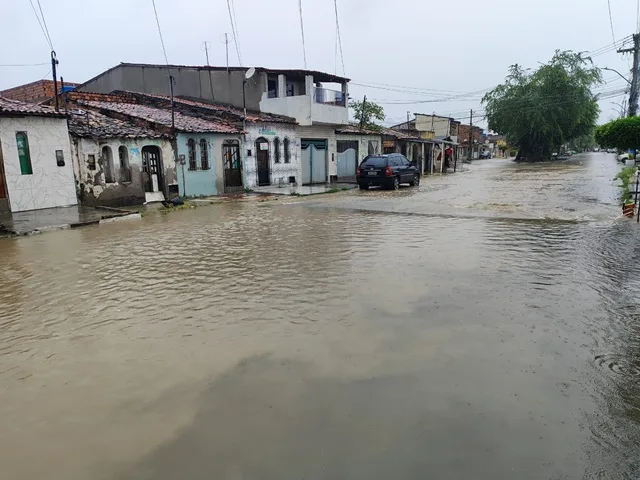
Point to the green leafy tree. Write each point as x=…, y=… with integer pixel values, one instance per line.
x=623, y=134
x=539, y=111
x=365, y=113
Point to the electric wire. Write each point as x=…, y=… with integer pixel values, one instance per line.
x=164, y=50
x=335, y=5
x=40, y=23
x=304, y=49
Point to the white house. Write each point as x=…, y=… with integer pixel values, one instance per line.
x=36, y=170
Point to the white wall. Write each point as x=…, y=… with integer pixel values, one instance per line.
x=280, y=172
x=298, y=107
x=363, y=143
x=439, y=125
x=49, y=185
x=305, y=110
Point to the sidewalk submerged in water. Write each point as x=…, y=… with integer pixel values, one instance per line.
x=59, y=218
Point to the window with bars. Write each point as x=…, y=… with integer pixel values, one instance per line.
x=276, y=150
x=204, y=154
x=287, y=152
x=191, y=151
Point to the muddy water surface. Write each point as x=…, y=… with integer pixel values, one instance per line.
x=483, y=326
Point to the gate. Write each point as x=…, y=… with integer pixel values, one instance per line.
x=347, y=160
x=262, y=160
x=314, y=161
x=232, y=166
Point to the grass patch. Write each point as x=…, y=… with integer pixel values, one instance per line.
x=185, y=206
x=624, y=176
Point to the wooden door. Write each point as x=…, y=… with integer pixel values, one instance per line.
x=262, y=157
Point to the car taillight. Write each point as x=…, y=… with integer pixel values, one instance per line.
x=388, y=172
x=357, y=172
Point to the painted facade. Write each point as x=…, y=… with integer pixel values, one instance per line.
x=194, y=180
x=50, y=182
x=280, y=172
x=322, y=133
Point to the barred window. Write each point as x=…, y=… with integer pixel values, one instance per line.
x=287, y=152
x=204, y=154
x=276, y=150
x=191, y=148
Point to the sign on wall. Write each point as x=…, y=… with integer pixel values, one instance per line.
x=266, y=131
x=264, y=146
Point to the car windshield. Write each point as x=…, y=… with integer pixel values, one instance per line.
x=377, y=162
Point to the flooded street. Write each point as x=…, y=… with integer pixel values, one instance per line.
x=484, y=326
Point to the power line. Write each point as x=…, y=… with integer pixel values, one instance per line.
x=164, y=50
x=233, y=31
x=44, y=21
x=237, y=35
x=335, y=4
x=40, y=23
x=25, y=64
x=304, y=49
x=613, y=35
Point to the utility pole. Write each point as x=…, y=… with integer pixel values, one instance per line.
x=54, y=63
x=470, y=154
x=364, y=106
x=206, y=52
x=633, y=94
x=408, y=121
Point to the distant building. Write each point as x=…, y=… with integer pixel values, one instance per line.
x=36, y=170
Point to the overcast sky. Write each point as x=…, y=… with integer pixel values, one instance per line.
x=442, y=48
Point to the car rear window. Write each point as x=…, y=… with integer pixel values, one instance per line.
x=376, y=162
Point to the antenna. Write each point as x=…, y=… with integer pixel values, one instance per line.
x=224, y=38
x=205, y=46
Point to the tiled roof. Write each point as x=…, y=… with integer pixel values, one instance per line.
x=397, y=134
x=183, y=122
x=91, y=124
x=356, y=130
x=14, y=107
x=219, y=109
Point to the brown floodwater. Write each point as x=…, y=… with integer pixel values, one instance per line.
x=484, y=326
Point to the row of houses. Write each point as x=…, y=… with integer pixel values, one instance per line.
x=139, y=133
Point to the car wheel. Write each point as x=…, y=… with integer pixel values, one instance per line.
x=396, y=183
x=416, y=181
x=364, y=187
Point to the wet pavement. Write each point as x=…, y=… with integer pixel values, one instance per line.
x=33, y=221
x=361, y=335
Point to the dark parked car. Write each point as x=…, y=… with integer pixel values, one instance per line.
x=387, y=171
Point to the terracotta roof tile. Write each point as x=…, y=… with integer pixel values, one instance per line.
x=91, y=124
x=14, y=107
x=219, y=109
x=161, y=116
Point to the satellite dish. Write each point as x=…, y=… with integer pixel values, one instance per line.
x=249, y=73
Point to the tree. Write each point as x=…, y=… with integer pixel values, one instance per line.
x=623, y=134
x=539, y=111
x=366, y=112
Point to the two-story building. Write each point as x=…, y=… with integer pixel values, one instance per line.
x=316, y=100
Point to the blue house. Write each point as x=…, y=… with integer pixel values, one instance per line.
x=204, y=146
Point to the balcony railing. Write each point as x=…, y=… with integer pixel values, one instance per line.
x=329, y=97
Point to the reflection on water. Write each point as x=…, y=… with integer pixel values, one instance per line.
x=249, y=341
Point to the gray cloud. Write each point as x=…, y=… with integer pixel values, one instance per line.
x=461, y=47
